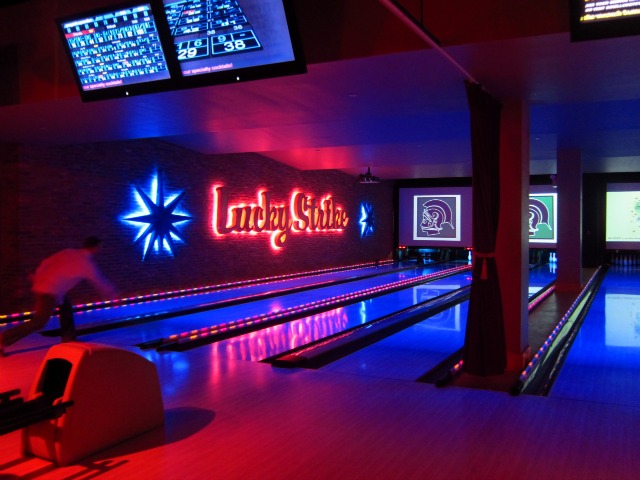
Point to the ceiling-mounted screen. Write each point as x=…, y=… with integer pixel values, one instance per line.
x=223, y=41
x=623, y=216
x=542, y=220
x=443, y=217
x=154, y=46
x=118, y=51
x=597, y=19
x=435, y=217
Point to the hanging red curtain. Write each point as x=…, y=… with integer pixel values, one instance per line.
x=484, y=346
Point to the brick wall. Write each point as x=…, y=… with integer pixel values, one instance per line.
x=10, y=284
x=60, y=195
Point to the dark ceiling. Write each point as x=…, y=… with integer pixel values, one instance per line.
x=375, y=93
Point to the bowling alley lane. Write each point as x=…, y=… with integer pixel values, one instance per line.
x=281, y=338
x=411, y=353
x=541, y=276
x=233, y=291
x=405, y=355
x=603, y=363
x=433, y=340
x=175, y=325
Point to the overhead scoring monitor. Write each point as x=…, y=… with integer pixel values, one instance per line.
x=153, y=45
x=623, y=216
x=222, y=41
x=598, y=19
x=205, y=31
x=117, y=52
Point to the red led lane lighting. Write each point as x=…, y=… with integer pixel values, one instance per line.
x=309, y=307
x=16, y=318
x=539, y=299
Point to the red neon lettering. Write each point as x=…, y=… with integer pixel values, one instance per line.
x=304, y=213
x=220, y=208
x=299, y=209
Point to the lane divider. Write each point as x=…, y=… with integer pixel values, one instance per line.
x=320, y=353
x=123, y=322
x=558, y=340
x=442, y=374
x=19, y=317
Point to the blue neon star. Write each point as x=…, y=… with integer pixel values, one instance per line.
x=367, y=220
x=158, y=217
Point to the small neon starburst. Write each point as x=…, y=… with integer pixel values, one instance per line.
x=366, y=220
x=156, y=218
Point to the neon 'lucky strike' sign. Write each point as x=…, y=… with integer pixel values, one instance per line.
x=304, y=213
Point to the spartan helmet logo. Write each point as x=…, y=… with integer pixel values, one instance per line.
x=435, y=213
x=538, y=215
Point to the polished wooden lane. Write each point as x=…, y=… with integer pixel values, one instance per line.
x=603, y=363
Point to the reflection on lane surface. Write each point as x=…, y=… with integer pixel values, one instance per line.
x=409, y=354
x=540, y=277
x=202, y=320
x=280, y=338
x=417, y=349
x=603, y=364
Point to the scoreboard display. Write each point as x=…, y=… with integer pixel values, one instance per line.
x=208, y=29
x=152, y=46
x=598, y=19
x=116, y=48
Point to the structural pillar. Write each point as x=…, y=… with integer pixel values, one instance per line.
x=569, y=246
x=512, y=247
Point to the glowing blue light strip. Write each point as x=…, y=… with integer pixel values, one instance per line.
x=15, y=318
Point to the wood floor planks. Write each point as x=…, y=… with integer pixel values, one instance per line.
x=230, y=419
